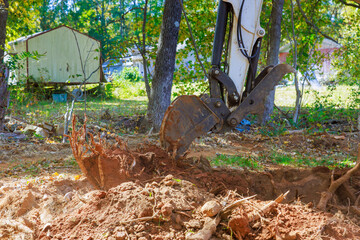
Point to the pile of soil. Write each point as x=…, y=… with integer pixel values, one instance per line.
x=163, y=208
x=171, y=209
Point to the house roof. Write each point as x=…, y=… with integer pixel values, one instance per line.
x=25, y=38
x=326, y=44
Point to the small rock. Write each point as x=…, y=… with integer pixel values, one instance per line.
x=41, y=132
x=193, y=223
x=211, y=208
x=177, y=219
x=168, y=177
x=27, y=203
x=120, y=236
x=68, y=196
x=167, y=209
x=146, y=212
x=293, y=235
x=102, y=195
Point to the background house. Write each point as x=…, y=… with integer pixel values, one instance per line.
x=323, y=71
x=66, y=52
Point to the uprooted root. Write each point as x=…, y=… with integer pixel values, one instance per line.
x=105, y=166
x=335, y=184
x=239, y=223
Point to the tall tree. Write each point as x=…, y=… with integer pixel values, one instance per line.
x=4, y=93
x=273, y=53
x=160, y=95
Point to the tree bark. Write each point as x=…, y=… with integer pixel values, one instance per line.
x=143, y=51
x=297, y=89
x=160, y=95
x=274, y=48
x=4, y=93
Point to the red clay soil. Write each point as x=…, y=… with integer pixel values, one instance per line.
x=158, y=198
x=170, y=209
x=144, y=194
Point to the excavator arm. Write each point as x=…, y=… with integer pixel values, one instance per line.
x=234, y=90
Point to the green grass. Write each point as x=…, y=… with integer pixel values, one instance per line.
x=299, y=160
x=319, y=107
x=286, y=96
x=128, y=100
x=235, y=161
x=51, y=112
x=292, y=160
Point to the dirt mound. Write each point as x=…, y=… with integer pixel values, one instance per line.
x=26, y=206
x=167, y=201
x=173, y=209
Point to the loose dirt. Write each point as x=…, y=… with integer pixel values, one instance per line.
x=158, y=198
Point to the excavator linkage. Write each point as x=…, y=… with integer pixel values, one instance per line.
x=189, y=117
x=235, y=92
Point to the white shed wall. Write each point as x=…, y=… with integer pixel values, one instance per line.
x=61, y=63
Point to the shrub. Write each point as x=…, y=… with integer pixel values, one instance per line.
x=127, y=84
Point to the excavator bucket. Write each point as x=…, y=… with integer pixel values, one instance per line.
x=187, y=118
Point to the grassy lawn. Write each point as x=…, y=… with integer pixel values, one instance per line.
x=341, y=96
x=325, y=104
x=297, y=160
x=321, y=106
x=51, y=112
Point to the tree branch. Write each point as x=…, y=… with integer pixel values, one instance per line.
x=313, y=25
x=357, y=5
x=121, y=18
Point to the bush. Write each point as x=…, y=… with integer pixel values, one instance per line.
x=130, y=74
x=127, y=84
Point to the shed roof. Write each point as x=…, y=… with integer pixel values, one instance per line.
x=25, y=38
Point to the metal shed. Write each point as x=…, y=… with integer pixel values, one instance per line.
x=66, y=52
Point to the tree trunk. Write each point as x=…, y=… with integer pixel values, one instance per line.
x=297, y=89
x=160, y=95
x=143, y=51
x=274, y=47
x=4, y=93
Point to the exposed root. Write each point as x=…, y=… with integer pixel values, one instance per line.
x=226, y=210
x=327, y=195
x=239, y=225
x=104, y=166
x=208, y=229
